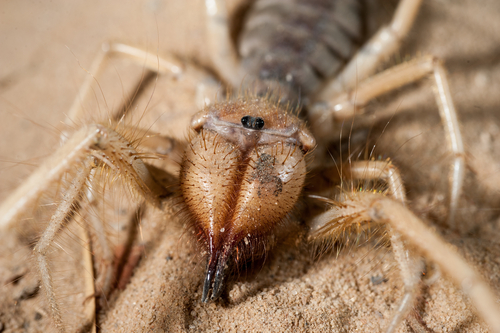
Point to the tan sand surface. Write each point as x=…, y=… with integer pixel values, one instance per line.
x=44, y=48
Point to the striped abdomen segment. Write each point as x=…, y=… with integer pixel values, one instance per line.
x=293, y=45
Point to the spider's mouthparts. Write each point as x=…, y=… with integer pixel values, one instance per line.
x=214, y=279
x=240, y=177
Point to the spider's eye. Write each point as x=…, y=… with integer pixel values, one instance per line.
x=255, y=123
x=258, y=123
x=245, y=121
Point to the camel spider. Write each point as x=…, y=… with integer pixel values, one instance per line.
x=387, y=206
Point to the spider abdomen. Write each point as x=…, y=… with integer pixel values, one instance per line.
x=298, y=43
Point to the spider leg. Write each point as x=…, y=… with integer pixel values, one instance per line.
x=90, y=304
x=377, y=208
x=368, y=170
x=222, y=52
x=347, y=104
x=111, y=271
x=150, y=61
x=90, y=147
x=91, y=143
x=48, y=173
x=426, y=241
x=56, y=223
x=104, y=281
x=383, y=44
x=90, y=138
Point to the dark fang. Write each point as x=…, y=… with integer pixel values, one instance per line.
x=214, y=279
x=218, y=280
x=255, y=123
x=206, y=285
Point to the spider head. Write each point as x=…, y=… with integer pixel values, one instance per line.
x=241, y=176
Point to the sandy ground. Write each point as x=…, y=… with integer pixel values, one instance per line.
x=44, y=48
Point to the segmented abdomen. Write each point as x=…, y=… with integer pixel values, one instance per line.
x=293, y=45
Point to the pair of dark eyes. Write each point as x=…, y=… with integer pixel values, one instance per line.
x=255, y=123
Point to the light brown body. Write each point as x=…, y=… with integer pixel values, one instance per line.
x=239, y=183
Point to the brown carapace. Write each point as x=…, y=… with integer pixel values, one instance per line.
x=241, y=175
